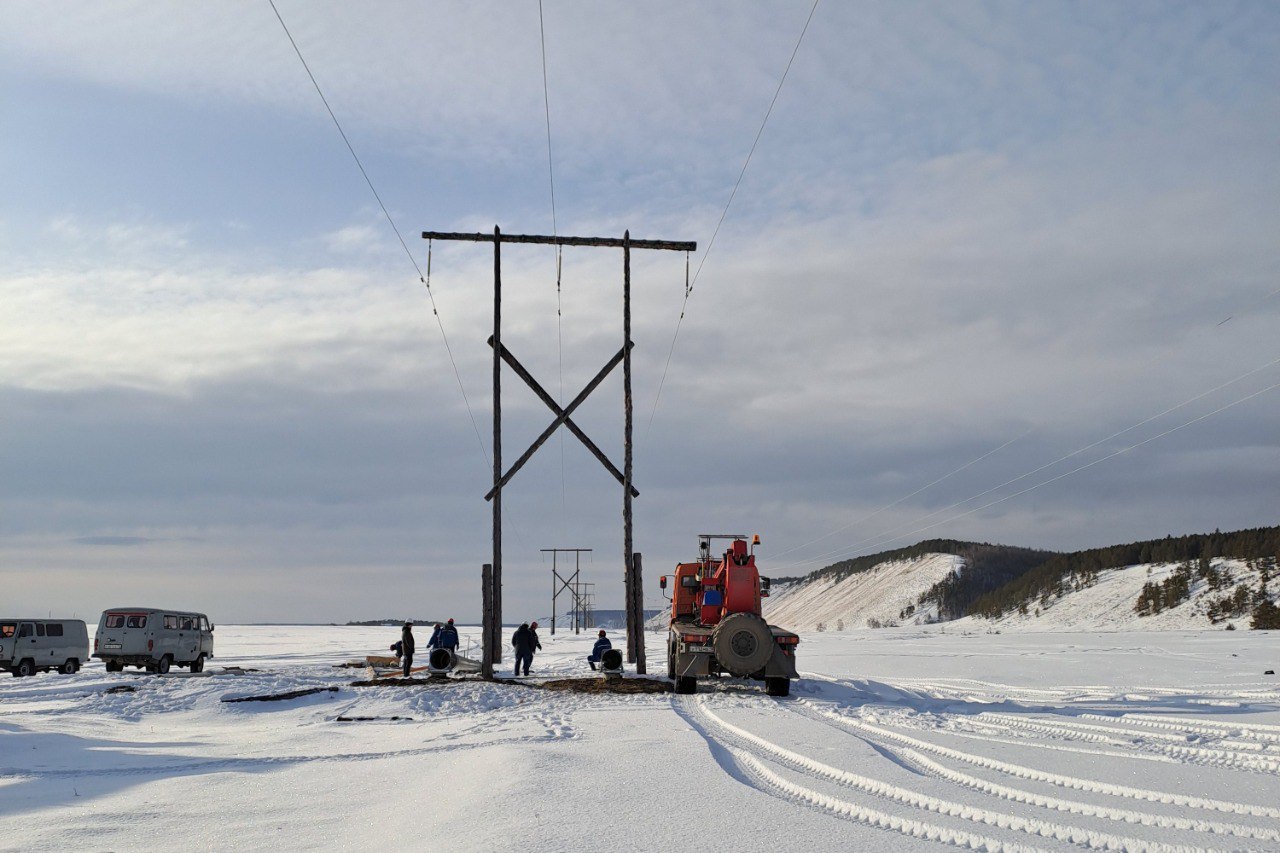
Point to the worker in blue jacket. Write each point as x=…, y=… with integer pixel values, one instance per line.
x=602, y=645
x=445, y=637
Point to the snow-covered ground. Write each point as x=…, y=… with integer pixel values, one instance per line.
x=909, y=738
x=877, y=596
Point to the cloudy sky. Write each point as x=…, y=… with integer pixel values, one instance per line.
x=994, y=234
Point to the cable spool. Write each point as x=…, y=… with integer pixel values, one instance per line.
x=611, y=660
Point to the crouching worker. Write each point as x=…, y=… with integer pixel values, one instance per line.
x=602, y=645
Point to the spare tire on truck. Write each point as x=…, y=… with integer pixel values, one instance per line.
x=743, y=644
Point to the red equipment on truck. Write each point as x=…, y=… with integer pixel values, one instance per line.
x=716, y=622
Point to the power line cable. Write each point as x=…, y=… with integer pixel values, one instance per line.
x=1020, y=477
x=689, y=285
x=887, y=506
x=1076, y=470
x=421, y=277
x=555, y=232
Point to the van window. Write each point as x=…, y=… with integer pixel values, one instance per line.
x=186, y=623
x=115, y=620
x=26, y=631
x=135, y=621
x=39, y=629
x=204, y=623
x=8, y=630
x=171, y=622
x=53, y=629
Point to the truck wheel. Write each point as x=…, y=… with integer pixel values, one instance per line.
x=671, y=661
x=70, y=667
x=743, y=644
x=686, y=684
x=162, y=666
x=197, y=665
x=777, y=686
x=25, y=668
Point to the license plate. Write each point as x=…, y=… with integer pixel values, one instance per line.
x=111, y=645
x=706, y=650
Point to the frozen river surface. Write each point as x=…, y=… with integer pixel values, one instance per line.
x=898, y=739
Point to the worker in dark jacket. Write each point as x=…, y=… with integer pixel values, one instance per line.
x=435, y=636
x=602, y=645
x=406, y=646
x=524, y=640
x=448, y=636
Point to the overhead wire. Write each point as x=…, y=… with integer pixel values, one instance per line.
x=555, y=232
x=923, y=488
x=881, y=536
x=423, y=278
x=689, y=285
x=1080, y=468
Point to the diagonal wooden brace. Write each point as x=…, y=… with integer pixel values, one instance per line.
x=562, y=417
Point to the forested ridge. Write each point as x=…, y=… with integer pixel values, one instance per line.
x=999, y=579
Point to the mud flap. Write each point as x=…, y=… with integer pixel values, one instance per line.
x=781, y=665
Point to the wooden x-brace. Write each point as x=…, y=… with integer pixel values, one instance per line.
x=562, y=417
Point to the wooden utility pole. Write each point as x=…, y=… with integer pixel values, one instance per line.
x=487, y=645
x=495, y=590
x=634, y=594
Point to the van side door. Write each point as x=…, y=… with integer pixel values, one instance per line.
x=206, y=637
x=27, y=646
x=188, y=638
x=55, y=641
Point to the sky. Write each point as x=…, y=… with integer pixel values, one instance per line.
x=973, y=239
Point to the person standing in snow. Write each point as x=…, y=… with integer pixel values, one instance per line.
x=435, y=637
x=448, y=638
x=406, y=647
x=524, y=641
x=602, y=645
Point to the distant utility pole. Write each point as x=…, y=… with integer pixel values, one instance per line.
x=492, y=586
x=568, y=584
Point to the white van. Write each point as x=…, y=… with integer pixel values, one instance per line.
x=153, y=639
x=28, y=646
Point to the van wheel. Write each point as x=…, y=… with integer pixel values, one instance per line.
x=197, y=665
x=25, y=668
x=114, y=666
x=70, y=667
x=163, y=666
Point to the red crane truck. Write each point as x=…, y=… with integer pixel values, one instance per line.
x=716, y=622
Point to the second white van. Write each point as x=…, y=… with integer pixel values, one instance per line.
x=153, y=639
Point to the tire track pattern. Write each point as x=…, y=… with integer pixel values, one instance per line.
x=1084, y=837
x=1032, y=774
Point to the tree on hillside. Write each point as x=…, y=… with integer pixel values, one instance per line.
x=1266, y=617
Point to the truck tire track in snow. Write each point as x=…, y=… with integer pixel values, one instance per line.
x=751, y=771
x=1031, y=826
x=1056, y=779
x=1251, y=731
x=1197, y=825
x=1172, y=744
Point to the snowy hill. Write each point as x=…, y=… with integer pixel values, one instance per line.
x=874, y=597
x=1108, y=604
